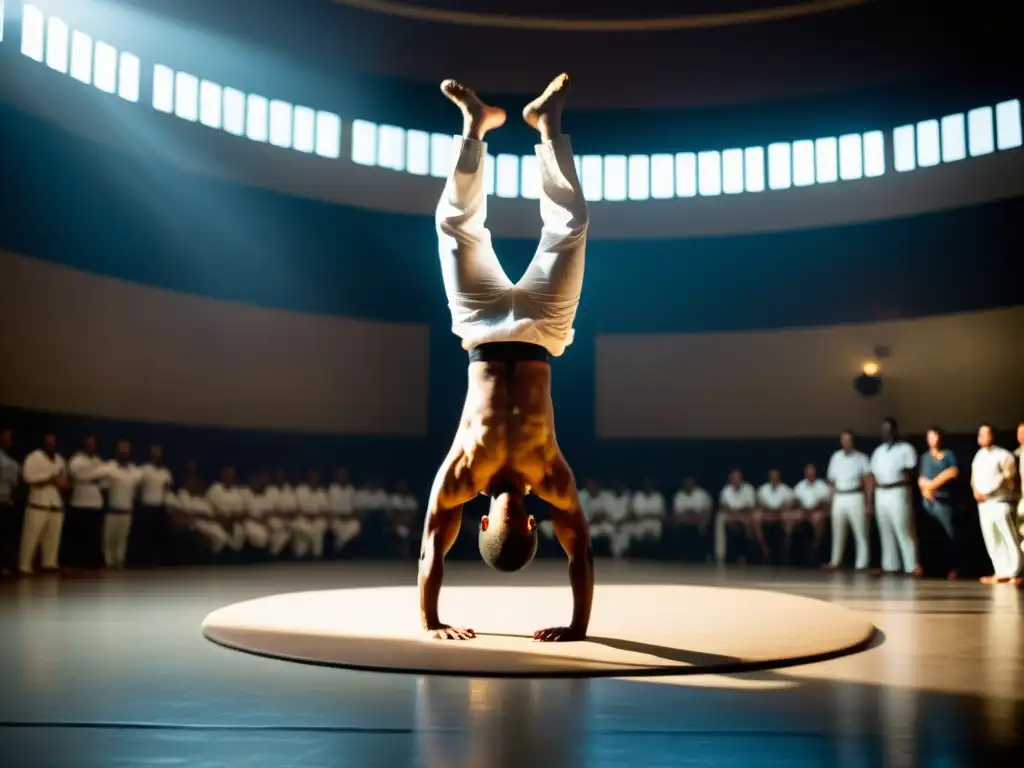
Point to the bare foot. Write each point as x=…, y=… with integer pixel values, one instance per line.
x=545, y=112
x=477, y=118
x=447, y=632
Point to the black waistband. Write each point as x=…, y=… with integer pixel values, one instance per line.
x=508, y=352
x=45, y=508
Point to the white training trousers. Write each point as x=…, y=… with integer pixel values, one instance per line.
x=849, y=510
x=999, y=531
x=485, y=305
x=895, y=516
x=41, y=530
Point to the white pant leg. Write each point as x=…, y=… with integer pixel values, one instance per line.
x=31, y=534
x=620, y=537
x=547, y=529
x=122, y=532
x=1000, y=534
x=840, y=520
x=256, y=534
x=317, y=530
x=280, y=535
x=214, y=533
x=51, y=539
x=901, y=518
x=345, y=530
x=110, y=539
x=474, y=280
x=302, y=538
x=554, y=279
x=886, y=532
x=857, y=516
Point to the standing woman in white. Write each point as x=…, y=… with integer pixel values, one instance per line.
x=992, y=474
x=46, y=475
x=892, y=465
x=849, y=473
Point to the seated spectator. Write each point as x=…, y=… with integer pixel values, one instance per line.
x=311, y=524
x=203, y=520
x=286, y=510
x=592, y=500
x=371, y=505
x=736, y=505
x=228, y=508
x=691, y=509
x=259, y=508
x=647, y=509
x=345, y=526
x=774, y=500
x=813, y=496
x=616, y=505
x=403, y=509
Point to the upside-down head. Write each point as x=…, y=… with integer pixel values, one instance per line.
x=508, y=534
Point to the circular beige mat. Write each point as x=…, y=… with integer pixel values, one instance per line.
x=635, y=630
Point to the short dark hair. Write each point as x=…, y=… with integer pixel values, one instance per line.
x=507, y=548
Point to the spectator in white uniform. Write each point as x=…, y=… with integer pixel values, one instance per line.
x=892, y=466
x=311, y=524
x=691, y=508
x=774, y=500
x=196, y=506
x=992, y=482
x=10, y=474
x=849, y=475
x=45, y=474
x=83, y=524
x=259, y=509
x=648, y=509
x=812, y=496
x=122, y=479
x=371, y=503
x=228, y=507
x=592, y=502
x=344, y=524
x=616, y=504
x=286, y=507
x=403, y=507
x=736, y=505
x=151, y=528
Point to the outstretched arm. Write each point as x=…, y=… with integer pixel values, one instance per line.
x=559, y=490
x=452, y=488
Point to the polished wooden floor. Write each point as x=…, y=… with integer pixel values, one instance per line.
x=111, y=670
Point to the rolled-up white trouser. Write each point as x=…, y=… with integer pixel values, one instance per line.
x=485, y=305
x=895, y=517
x=1001, y=537
x=214, y=534
x=280, y=535
x=308, y=536
x=850, y=510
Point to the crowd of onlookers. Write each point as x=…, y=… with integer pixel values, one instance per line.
x=92, y=512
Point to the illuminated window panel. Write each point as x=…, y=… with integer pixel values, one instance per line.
x=591, y=172
x=663, y=177
x=904, y=156
x=32, y=32
x=981, y=131
x=686, y=174
x=256, y=117
x=81, y=57
x=489, y=174
x=105, y=67
x=57, y=36
x=928, y=153
x=210, y=104
x=615, y=187
x=826, y=160
x=391, y=147
x=328, y=135
x=851, y=157
x=280, y=123
x=1, y=21
x=186, y=96
x=303, y=129
x=780, y=166
x=128, y=73
x=874, y=154
x=163, y=89
x=638, y=176
x=732, y=171
x=753, y=169
x=1008, y=127
x=507, y=176
x=954, y=137
x=417, y=152
x=441, y=154
x=803, y=163
x=234, y=112
x=529, y=184
x=364, y=142
x=709, y=173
